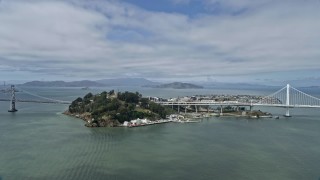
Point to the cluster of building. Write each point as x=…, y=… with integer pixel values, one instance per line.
x=171, y=118
x=192, y=117
x=215, y=98
x=144, y=122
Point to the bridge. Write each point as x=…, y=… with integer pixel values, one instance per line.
x=287, y=97
x=12, y=91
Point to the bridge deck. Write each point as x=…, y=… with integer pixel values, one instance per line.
x=35, y=101
x=199, y=103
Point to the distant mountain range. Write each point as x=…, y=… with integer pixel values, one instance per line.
x=113, y=82
x=84, y=83
x=98, y=83
x=127, y=82
x=221, y=85
x=178, y=85
x=147, y=83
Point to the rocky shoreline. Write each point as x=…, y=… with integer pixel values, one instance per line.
x=90, y=122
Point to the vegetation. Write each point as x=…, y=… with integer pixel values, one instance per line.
x=110, y=108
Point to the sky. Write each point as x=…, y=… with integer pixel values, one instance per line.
x=253, y=41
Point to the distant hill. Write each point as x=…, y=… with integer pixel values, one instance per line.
x=84, y=83
x=179, y=85
x=221, y=85
x=127, y=82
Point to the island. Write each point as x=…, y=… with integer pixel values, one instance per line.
x=178, y=85
x=113, y=109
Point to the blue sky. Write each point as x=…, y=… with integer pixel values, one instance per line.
x=265, y=41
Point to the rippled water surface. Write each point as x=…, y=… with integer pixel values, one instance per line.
x=38, y=142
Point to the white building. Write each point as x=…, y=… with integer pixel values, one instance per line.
x=126, y=123
x=145, y=121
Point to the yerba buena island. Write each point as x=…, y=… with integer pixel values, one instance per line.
x=128, y=109
x=114, y=108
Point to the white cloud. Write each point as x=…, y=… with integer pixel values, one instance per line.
x=47, y=29
x=105, y=38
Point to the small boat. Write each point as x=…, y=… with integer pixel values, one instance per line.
x=276, y=117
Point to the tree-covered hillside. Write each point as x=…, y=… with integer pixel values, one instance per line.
x=111, y=108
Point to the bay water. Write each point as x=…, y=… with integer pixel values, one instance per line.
x=39, y=142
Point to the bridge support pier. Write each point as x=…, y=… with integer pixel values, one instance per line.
x=196, y=109
x=221, y=110
x=185, y=110
x=287, y=112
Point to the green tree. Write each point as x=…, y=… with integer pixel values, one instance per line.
x=144, y=102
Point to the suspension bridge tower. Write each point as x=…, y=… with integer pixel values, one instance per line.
x=288, y=102
x=13, y=100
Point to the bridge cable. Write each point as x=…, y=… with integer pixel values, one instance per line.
x=55, y=100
